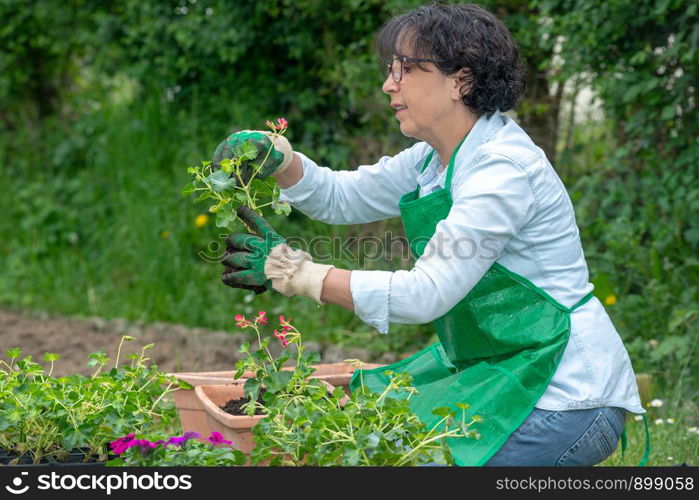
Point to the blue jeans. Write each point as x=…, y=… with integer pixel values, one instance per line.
x=559, y=438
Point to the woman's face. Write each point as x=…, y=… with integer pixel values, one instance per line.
x=423, y=100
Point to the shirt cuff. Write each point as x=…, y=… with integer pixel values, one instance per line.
x=304, y=188
x=371, y=294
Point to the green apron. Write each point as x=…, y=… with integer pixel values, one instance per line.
x=498, y=348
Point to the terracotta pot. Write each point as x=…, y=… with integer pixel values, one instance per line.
x=236, y=428
x=192, y=413
x=193, y=416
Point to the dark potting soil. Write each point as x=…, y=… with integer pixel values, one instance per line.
x=233, y=406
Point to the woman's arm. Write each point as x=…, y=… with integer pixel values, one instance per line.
x=292, y=175
x=367, y=194
x=336, y=288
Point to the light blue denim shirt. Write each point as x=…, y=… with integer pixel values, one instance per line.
x=509, y=206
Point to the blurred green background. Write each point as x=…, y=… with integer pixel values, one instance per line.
x=103, y=106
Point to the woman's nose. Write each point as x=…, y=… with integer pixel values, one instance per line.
x=389, y=85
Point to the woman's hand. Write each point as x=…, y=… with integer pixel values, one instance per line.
x=274, y=153
x=264, y=260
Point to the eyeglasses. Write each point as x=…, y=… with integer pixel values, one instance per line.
x=396, y=71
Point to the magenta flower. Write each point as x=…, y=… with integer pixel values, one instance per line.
x=144, y=445
x=181, y=440
x=217, y=438
x=122, y=444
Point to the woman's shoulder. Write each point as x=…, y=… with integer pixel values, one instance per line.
x=511, y=142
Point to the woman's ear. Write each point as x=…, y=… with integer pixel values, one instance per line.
x=463, y=82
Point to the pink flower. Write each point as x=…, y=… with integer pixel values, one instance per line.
x=122, y=444
x=241, y=322
x=217, y=438
x=281, y=337
x=280, y=125
x=261, y=318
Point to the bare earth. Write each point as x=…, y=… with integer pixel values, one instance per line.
x=177, y=348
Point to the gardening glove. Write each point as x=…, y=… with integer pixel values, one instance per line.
x=278, y=147
x=266, y=260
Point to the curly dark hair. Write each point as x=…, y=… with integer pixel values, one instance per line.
x=460, y=36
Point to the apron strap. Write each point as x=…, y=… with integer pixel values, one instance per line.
x=582, y=301
x=450, y=168
x=427, y=162
x=646, y=450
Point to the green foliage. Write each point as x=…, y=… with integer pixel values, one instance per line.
x=309, y=426
x=637, y=200
x=43, y=416
x=237, y=183
x=38, y=57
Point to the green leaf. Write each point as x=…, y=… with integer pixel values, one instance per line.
x=227, y=166
x=252, y=388
x=351, y=457
x=51, y=356
x=223, y=219
x=189, y=189
x=14, y=352
x=220, y=181
x=248, y=151
x=281, y=208
x=374, y=439
x=441, y=411
x=277, y=381
x=203, y=196
x=73, y=438
x=668, y=112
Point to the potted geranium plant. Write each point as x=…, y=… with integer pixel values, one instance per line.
x=234, y=409
x=298, y=422
x=47, y=419
x=374, y=429
x=193, y=416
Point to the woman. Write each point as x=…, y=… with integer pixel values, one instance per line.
x=500, y=270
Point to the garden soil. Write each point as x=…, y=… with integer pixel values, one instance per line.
x=177, y=347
